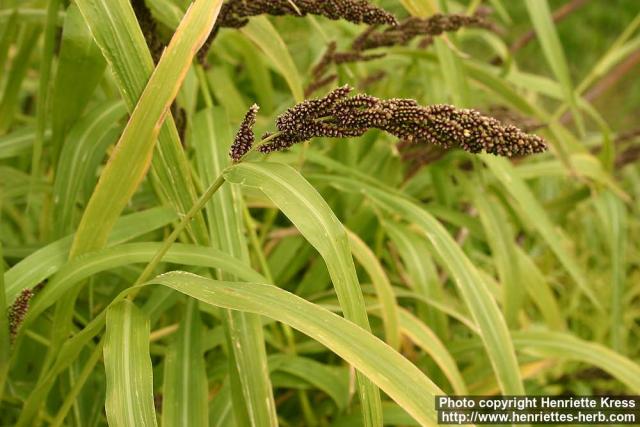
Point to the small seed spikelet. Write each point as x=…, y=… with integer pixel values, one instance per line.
x=18, y=310
x=236, y=13
x=413, y=27
x=397, y=35
x=245, y=137
x=338, y=115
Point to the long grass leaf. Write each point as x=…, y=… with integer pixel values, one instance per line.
x=421, y=272
x=474, y=291
x=13, y=84
x=425, y=338
x=44, y=262
x=86, y=144
x=501, y=240
x=540, y=292
x=117, y=33
x=382, y=285
x=134, y=253
x=311, y=215
x=536, y=217
x=552, y=48
x=323, y=377
x=185, y=379
x=251, y=390
x=73, y=90
x=566, y=346
x=121, y=176
x=46, y=64
x=128, y=367
x=10, y=27
x=266, y=37
x=394, y=374
x=16, y=143
x=613, y=217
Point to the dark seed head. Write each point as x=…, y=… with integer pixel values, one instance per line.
x=337, y=115
x=413, y=27
x=18, y=310
x=395, y=35
x=244, y=138
x=235, y=13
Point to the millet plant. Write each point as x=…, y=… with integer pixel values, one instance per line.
x=307, y=212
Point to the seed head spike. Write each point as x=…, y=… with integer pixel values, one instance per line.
x=338, y=115
x=18, y=310
x=245, y=137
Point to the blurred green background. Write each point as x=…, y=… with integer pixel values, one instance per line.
x=596, y=24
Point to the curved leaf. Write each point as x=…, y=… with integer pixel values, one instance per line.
x=121, y=176
x=266, y=37
x=252, y=394
x=424, y=337
x=566, y=346
x=311, y=215
x=535, y=216
x=87, y=141
x=484, y=309
x=44, y=262
x=79, y=269
x=382, y=285
x=389, y=370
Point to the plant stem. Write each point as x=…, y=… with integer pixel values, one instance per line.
x=197, y=207
x=77, y=386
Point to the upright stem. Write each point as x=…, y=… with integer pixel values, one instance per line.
x=197, y=207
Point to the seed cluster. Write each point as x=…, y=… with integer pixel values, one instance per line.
x=330, y=57
x=18, y=311
x=413, y=27
x=236, y=13
x=397, y=35
x=245, y=137
x=338, y=115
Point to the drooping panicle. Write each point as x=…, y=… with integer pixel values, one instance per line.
x=356, y=11
x=413, y=27
x=376, y=36
x=311, y=119
x=474, y=132
x=327, y=59
x=236, y=13
x=245, y=137
x=338, y=115
x=18, y=310
x=296, y=118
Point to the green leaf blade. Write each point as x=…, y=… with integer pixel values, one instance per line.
x=127, y=363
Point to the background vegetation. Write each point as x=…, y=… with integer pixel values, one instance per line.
x=482, y=275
